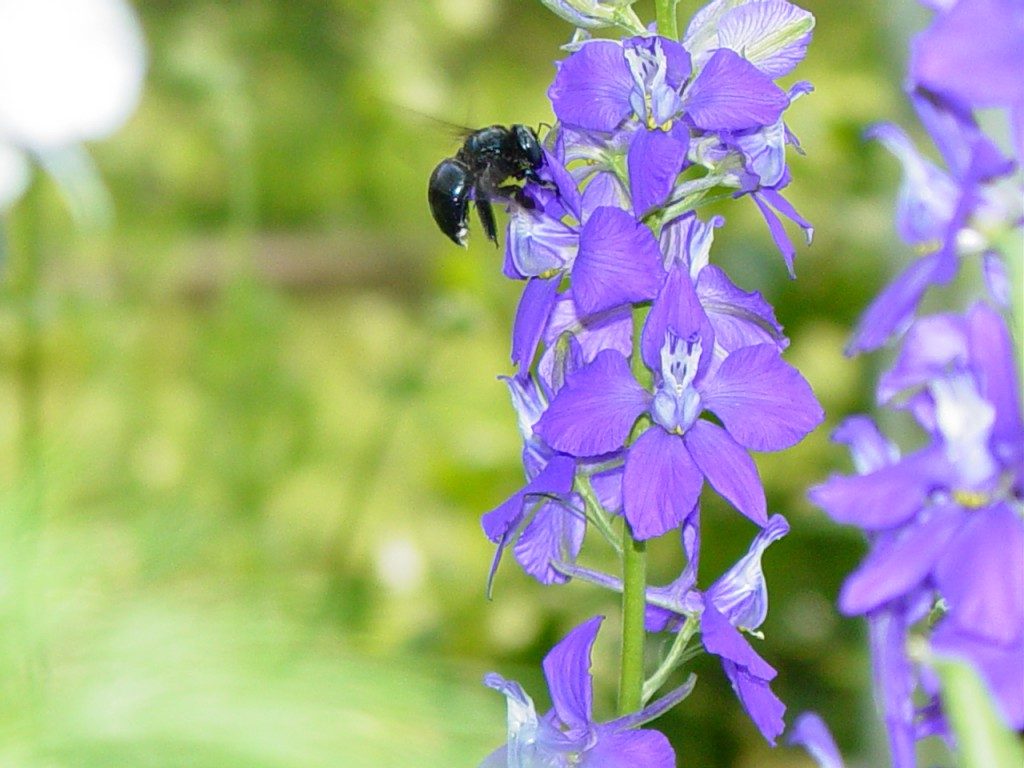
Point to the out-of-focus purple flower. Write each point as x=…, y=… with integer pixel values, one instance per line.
x=972, y=53
x=945, y=519
x=568, y=735
x=942, y=513
x=1001, y=665
x=955, y=213
x=810, y=732
x=762, y=402
x=948, y=212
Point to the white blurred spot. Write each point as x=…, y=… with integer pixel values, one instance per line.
x=400, y=566
x=70, y=70
x=14, y=175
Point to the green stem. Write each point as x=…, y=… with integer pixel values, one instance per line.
x=665, y=13
x=634, y=577
x=676, y=656
x=628, y=21
x=596, y=513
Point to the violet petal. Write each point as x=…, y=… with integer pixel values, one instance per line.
x=619, y=262
x=591, y=88
x=595, y=410
x=731, y=94
x=764, y=403
x=661, y=483
x=728, y=467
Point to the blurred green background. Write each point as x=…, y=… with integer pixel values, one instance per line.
x=247, y=433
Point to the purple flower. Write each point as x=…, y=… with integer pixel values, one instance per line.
x=810, y=732
x=955, y=213
x=773, y=35
x=611, y=259
x=762, y=403
x=945, y=519
x=939, y=518
x=645, y=89
x=738, y=602
x=738, y=318
x=973, y=53
x=544, y=517
x=568, y=735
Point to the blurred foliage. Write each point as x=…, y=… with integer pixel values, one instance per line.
x=248, y=433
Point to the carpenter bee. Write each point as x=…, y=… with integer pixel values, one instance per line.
x=478, y=172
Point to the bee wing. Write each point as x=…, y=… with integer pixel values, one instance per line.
x=455, y=131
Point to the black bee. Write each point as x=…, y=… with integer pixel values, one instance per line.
x=478, y=171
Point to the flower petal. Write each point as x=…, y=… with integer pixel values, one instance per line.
x=553, y=535
x=661, y=484
x=556, y=478
x=677, y=308
x=654, y=160
x=754, y=693
x=591, y=88
x=763, y=401
x=535, y=307
x=950, y=56
x=740, y=318
x=741, y=593
x=728, y=467
x=630, y=749
x=884, y=498
x=869, y=448
x=992, y=357
x=899, y=564
x=777, y=231
x=932, y=347
x=981, y=575
x=893, y=309
x=595, y=410
x=894, y=682
x=723, y=639
x=567, y=670
x=619, y=262
x=755, y=30
x=810, y=732
x=731, y=94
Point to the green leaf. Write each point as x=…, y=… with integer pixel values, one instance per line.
x=982, y=738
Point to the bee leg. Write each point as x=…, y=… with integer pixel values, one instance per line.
x=518, y=196
x=486, y=214
x=448, y=194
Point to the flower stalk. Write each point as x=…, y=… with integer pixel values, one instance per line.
x=634, y=577
x=665, y=14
